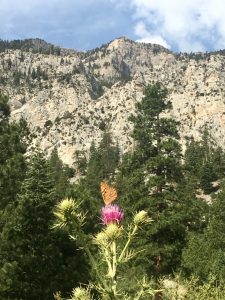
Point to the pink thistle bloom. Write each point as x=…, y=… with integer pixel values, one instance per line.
x=111, y=214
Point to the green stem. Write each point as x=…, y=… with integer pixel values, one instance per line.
x=108, y=258
x=114, y=266
x=131, y=235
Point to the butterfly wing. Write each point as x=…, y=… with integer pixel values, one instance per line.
x=109, y=193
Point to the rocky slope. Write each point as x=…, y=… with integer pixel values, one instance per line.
x=69, y=97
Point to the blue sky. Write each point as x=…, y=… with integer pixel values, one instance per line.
x=188, y=25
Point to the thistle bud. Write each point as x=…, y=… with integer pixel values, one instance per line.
x=142, y=218
x=80, y=293
x=67, y=205
x=67, y=212
x=113, y=231
x=100, y=238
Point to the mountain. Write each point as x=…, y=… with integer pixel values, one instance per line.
x=69, y=97
x=33, y=45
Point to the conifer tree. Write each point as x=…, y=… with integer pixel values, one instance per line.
x=194, y=157
x=204, y=163
x=109, y=153
x=12, y=149
x=151, y=178
x=103, y=159
x=101, y=166
x=35, y=261
x=60, y=174
x=204, y=253
x=102, y=163
x=80, y=162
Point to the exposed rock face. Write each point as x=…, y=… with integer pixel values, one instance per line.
x=68, y=99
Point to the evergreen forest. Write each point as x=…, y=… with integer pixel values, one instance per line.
x=180, y=252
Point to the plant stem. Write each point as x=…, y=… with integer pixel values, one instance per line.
x=131, y=235
x=114, y=266
x=108, y=260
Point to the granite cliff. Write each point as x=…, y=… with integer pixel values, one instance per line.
x=69, y=97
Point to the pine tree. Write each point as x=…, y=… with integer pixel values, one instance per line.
x=157, y=138
x=101, y=166
x=204, y=253
x=151, y=178
x=102, y=163
x=106, y=154
x=207, y=176
x=80, y=162
x=12, y=149
x=39, y=261
x=4, y=107
x=204, y=163
x=194, y=158
x=109, y=153
x=60, y=174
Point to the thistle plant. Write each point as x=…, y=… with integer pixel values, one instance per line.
x=114, y=244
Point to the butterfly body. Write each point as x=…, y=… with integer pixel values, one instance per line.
x=109, y=193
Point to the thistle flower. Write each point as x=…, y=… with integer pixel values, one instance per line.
x=67, y=211
x=111, y=214
x=67, y=205
x=80, y=293
x=142, y=218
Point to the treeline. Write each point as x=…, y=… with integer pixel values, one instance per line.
x=188, y=232
x=34, y=45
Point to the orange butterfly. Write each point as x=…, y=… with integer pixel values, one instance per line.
x=109, y=193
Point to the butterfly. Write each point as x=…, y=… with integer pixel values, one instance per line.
x=109, y=193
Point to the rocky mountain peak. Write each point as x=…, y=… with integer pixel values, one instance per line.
x=69, y=98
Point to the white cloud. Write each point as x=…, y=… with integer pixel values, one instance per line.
x=148, y=37
x=191, y=25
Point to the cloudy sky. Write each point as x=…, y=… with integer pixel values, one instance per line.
x=180, y=25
